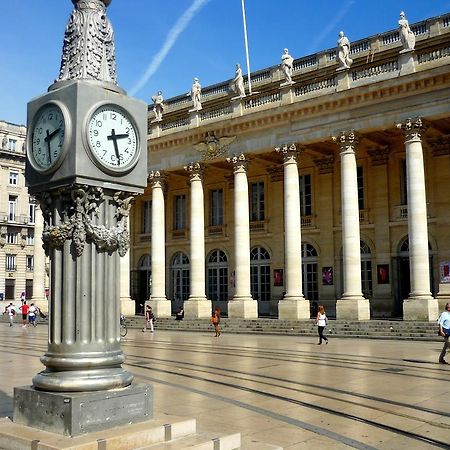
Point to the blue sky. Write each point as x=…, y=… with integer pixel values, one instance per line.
x=210, y=44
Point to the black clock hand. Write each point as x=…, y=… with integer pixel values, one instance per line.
x=53, y=133
x=113, y=137
x=49, y=151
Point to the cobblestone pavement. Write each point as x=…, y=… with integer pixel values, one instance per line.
x=283, y=390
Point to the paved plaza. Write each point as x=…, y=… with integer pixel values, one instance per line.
x=286, y=391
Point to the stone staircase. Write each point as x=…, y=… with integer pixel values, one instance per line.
x=373, y=329
x=167, y=433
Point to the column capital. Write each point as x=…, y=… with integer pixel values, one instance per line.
x=347, y=141
x=239, y=163
x=289, y=153
x=157, y=179
x=195, y=171
x=379, y=155
x=412, y=129
x=325, y=165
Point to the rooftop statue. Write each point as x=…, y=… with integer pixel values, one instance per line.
x=158, y=106
x=406, y=34
x=238, y=82
x=196, y=95
x=343, y=52
x=287, y=65
x=88, y=49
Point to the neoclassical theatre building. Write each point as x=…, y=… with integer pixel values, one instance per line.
x=326, y=185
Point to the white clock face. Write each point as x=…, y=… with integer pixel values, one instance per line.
x=47, y=137
x=113, y=138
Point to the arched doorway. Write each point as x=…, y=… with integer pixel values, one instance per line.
x=310, y=281
x=144, y=281
x=260, y=279
x=217, y=276
x=180, y=280
x=403, y=282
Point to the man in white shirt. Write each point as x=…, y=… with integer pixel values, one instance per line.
x=10, y=310
x=32, y=315
x=444, y=330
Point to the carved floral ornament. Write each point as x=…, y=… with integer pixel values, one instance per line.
x=88, y=49
x=213, y=147
x=78, y=206
x=289, y=152
x=156, y=178
x=412, y=128
x=347, y=141
x=239, y=162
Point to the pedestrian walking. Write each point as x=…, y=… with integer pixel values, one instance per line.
x=149, y=319
x=32, y=315
x=215, y=320
x=24, y=308
x=11, y=311
x=322, y=322
x=444, y=331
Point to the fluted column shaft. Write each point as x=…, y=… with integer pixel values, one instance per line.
x=417, y=211
x=241, y=228
x=158, y=237
x=197, y=232
x=352, y=304
x=292, y=223
x=39, y=261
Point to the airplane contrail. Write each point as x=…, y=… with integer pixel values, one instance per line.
x=171, y=38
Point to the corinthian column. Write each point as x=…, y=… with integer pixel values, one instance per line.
x=39, y=263
x=158, y=301
x=242, y=304
x=293, y=305
x=197, y=305
x=352, y=304
x=420, y=305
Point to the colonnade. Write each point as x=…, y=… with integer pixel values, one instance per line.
x=420, y=305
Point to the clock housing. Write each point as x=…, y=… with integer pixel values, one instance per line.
x=81, y=99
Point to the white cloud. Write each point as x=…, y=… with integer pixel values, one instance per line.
x=170, y=41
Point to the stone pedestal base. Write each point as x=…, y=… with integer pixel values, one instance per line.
x=407, y=60
x=197, y=308
x=293, y=309
x=243, y=308
x=161, y=307
x=343, y=79
x=77, y=413
x=443, y=296
x=127, y=306
x=420, y=308
x=353, y=309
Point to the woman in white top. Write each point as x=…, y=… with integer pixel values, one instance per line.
x=322, y=322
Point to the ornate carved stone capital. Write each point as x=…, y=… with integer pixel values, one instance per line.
x=239, y=163
x=379, y=155
x=3, y=232
x=325, y=165
x=72, y=214
x=412, y=129
x=88, y=50
x=440, y=146
x=195, y=171
x=289, y=153
x=157, y=179
x=347, y=141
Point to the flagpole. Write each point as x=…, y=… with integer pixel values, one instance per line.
x=246, y=49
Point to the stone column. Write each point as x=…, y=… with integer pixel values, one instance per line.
x=197, y=305
x=158, y=301
x=293, y=305
x=85, y=232
x=39, y=274
x=352, y=304
x=127, y=306
x=420, y=305
x=242, y=304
